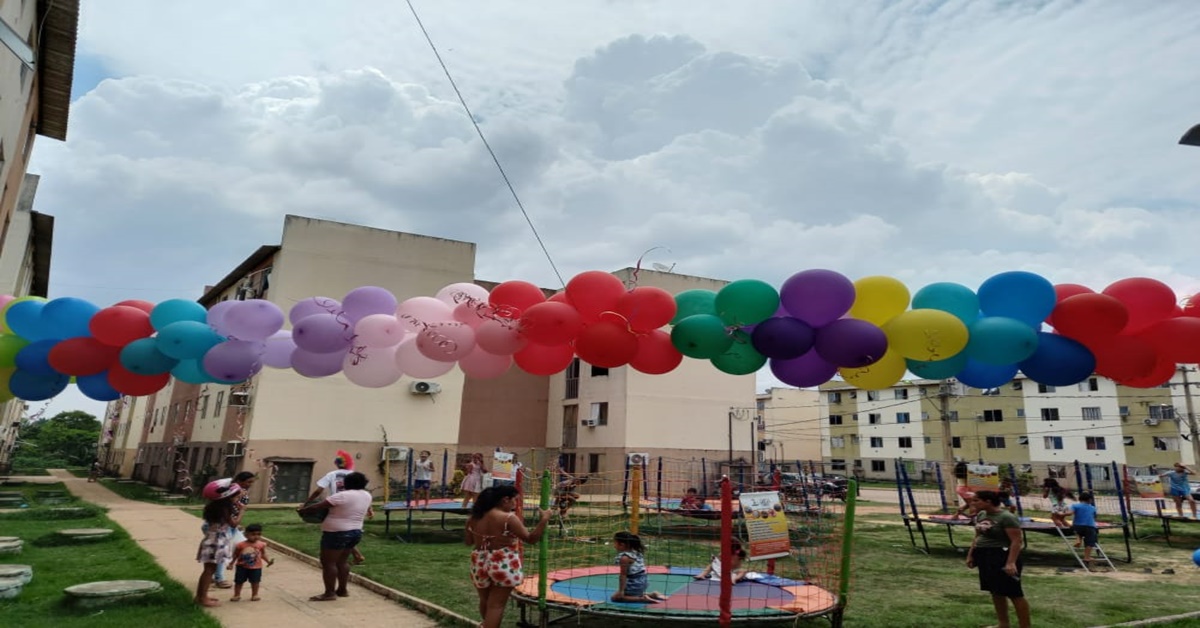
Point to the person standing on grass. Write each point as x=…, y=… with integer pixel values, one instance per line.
x=996, y=551
x=214, y=547
x=332, y=483
x=422, y=479
x=494, y=531
x=341, y=532
x=1179, y=488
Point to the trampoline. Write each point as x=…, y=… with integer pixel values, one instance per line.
x=1028, y=524
x=1165, y=518
x=759, y=598
x=442, y=506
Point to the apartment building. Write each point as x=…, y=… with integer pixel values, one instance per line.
x=789, y=428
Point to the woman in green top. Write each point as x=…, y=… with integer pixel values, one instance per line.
x=996, y=551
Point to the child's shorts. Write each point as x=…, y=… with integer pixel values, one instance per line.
x=1089, y=534
x=421, y=485
x=243, y=575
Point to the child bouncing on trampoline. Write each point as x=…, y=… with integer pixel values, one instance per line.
x=633, y=580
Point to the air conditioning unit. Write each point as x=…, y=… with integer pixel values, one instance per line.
x=239, y=399
x=590, y=422
x=424, y=388
x=1151, y=422
x=234, y=449
x=394, y=454
x=637, y=459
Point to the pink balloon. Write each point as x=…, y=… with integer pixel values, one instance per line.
x=379, y=330
x=500, y=338
x=5, y=299
x=417, y=312
x=410, y=361
x=457, y=293
x=446, y=342
x=278, y=353
x=372, y=367
x=471, y=314
x=480, y=364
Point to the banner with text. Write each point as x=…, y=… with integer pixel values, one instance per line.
x=766, y=525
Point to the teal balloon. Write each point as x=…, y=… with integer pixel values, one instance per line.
x=176, y=310
x=186, y=340
x=954, y=298
x=746, y=302
x=143, y=358
x=938, y=369
x=741, y=358
x=191, y=372
x=693, y=302
x=1017, y=294
x=979, y=375
x=1000, y=340
x=701, y=336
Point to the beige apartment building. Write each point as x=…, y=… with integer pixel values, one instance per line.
x=789, y=428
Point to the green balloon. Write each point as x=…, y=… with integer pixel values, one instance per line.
x=746, y=302
x=741, y=359
x=10, y=344
x=701, y=336
x=692, y=302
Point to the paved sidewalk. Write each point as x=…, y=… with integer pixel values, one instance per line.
x=171, y=536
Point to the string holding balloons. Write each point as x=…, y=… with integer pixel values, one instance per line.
x=817, y=325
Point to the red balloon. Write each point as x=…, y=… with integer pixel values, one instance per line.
x=513, y=297
x=1162, y=373
x=1175, y=339
x=593, y=292
x=82, y=356
x=550, y=323
x=129, y=383
x=560, y=297
x=1148, y=301
x=656, y=355
x=606, y=344
x=1123, y=358
x=646, y=308
x=544, y=359
x=144, y=306
x=1064, y=291
x=1090, y=316
x=120, y=325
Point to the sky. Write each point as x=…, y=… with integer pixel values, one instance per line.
x=923, y=140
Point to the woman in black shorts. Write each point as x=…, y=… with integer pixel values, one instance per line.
x=996, y=551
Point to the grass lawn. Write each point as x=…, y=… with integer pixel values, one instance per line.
x=893, y=585
x=57, y=566
x=146, y=493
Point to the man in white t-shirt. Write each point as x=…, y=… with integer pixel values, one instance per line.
x=422, y=479
x=333, y=483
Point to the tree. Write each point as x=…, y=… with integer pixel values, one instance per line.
x=68, y=437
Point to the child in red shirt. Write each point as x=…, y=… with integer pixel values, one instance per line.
x=250, y=556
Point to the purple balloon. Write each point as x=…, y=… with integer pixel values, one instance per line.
x=807, y=370
x=313, y=305
x=851, y=343
x=367, y=300
x=234, y=360
x=817, y=297
x=322, y=333
x=254, y=319
x=279, y=350
x=311, y=364
x=216, y=316
x=782, y=338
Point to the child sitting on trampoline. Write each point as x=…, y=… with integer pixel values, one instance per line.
x=736, y=570
x=692, y=501
x=630, y=556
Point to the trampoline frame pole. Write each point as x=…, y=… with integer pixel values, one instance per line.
x=445, y=463
x=544, y=546
x=847, y=549
x=726, y=607
x=937, y=467
x=635, y=497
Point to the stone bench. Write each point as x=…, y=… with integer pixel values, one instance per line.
x=11, y=502
x=19, y=494
x=127, y=481
x=110, y=591
x=50, y=494
x=86, y=534
x=24, y=573
x=11, y=548
x=10, y=588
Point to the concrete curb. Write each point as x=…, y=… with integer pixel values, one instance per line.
x=1154, y=620
x=415, y=603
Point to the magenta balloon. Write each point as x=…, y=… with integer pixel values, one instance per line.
x=480, y=364
x=372, y=367
x=311, y=364
x=322, y=333
x=216, y=316
x=807, y=370
x=367, y=300
x=410, y=361
x=278, y=353
x=254, y=319
x=313, y=305
x=500, y=338
x=817, y=297
x=234, y=360
x=446, y=342
x=851, y=343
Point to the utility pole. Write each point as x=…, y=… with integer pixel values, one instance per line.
x=1191, y=416
x=950, y=480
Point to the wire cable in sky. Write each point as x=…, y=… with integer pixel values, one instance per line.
x=486, y=145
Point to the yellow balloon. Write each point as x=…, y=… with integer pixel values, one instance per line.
x=882, y=374
x=879, y=299
x=926, y=335
x=5, y=375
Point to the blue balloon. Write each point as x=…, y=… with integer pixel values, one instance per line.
x=33, y=387
x=191, y=372
x=143, y=357
x=980, y=375
x=954, y=298
x=25, y=320
x=1059, y=361
x=34, y=358
x=939, y=369
x=1000, y=340
x=1017, y=294
x=186, y=340
x=1196, y=557
x=97, y=387
x=68, y=317
x=176, y=310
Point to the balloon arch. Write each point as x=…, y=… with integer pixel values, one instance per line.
x=817, y=325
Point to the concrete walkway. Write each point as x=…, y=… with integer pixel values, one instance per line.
x=171, y=536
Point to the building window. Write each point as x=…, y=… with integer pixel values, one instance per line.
x=1017, y=385
x=1049, y=414
x=954, y=415
x=995, y=442
x=837, y=464
x=1092, y=384
x=990, y=392
x=217, y=405
x=835, y=419
x=956, y=442
x=202, y=408
x=903, y=417
x=900, y=393
x=1053, y=442
x=993, y=416
x=1096, y=443
x=600, y=413
x=872, y=395
x=837, y=442
x=905, y=442
x=1128, y=440
x=874, y=418
x=1123, y=410
x=876, y=441
x=1162, y=412
x=928, y=440
x=594, y=463
x=187, y=409
x=1166, y=444
x=1043, y=388
x=878, y=466
x=571, y=380
x=835, y=397
x=599, y=371
x=1091, y=414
